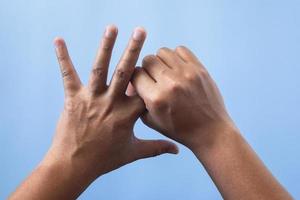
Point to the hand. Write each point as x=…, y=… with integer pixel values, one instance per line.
x=95, y=131
x=184, y=103
x=182, y=100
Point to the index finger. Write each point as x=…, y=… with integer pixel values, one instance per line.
x=126, y=65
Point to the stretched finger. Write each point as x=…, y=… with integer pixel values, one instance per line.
x=126, y=65
x=70, y=78
x=98, y=77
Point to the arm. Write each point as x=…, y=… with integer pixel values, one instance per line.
x=184, y=103
x=95, y=131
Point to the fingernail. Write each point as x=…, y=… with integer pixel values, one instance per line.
x=138, y=34
x=58, y=42
x=110, y=31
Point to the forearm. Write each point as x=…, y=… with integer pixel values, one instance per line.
x=236, y=170
x=52, y=180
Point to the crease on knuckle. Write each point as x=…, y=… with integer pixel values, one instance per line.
x=62, y=58
x=157, y=152
x=126, y=61
x=67, y=74
x=124, y=72
x=98, y=71
x=107, y=47
x=133, y=49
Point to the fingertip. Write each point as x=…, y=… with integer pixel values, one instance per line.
x=58, y=42
x=173, y=149
x=139, y=33
x=111, y=30
x=141, y=29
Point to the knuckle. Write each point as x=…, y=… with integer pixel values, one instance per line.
x=156, y=152
x=66, y=74
x=174, y=86
x=157, y=102
x=124, y=72
x=190, y=76
x=181, y=48
x=98, y=71
x=62, y=58
x=126, y=61
x=71, y=105
x=133, y=49
x=162, y=50
x=107, y=47
x=148, y=59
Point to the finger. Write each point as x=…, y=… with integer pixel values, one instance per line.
x=186, y=54
x=130, y=91
x=70, y=78
x=98, y=77
x=142, y=82
x=154, y=66
x=169, y=57
x=151, y=148
x=126, y=65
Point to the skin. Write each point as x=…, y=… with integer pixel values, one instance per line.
x=95, y=131
x=184, y=104
x=179, y=99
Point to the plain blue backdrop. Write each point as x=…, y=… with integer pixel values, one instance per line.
x=251, y=49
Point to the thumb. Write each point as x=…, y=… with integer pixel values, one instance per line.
x=151, y=148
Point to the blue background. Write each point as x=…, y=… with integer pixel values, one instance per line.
x=250, y=47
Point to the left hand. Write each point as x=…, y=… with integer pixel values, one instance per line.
x=95, y=131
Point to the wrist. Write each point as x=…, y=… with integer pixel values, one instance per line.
x=55, y=180
x=70, y=171
x=214, y=138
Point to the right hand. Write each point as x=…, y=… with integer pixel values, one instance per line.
x=184, y=103
x=182, y=100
